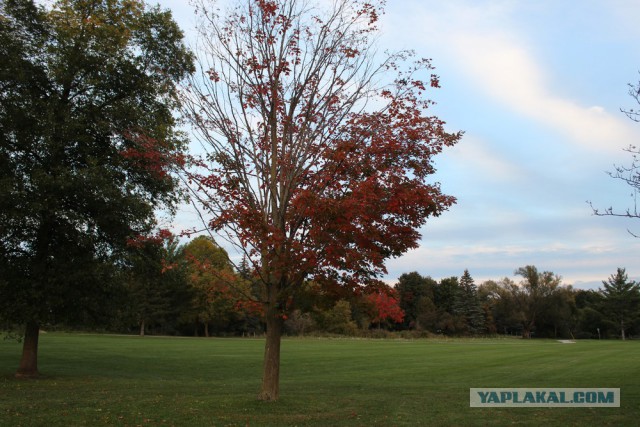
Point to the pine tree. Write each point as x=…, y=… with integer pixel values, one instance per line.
x=467, y=305
x=621, y=302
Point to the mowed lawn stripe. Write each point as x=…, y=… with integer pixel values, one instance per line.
x=124, y=380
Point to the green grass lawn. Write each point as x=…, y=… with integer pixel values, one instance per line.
x=91, y=380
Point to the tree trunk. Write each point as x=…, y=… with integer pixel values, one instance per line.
x=29, y=361
x=142, y=328
x=270, y=389
x=206, y=329
x=622, y=330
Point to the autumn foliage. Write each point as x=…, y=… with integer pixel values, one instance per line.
x=318, y=157
x=219, y=294
x=385, y=306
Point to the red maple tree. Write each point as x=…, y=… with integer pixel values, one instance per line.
x=385, y=306
x=317, y=158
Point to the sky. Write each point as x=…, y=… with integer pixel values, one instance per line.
x=537, y=88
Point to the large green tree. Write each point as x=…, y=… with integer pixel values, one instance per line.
x=559, y=317
x=87, y=144
x=499, y=300
x=533, y=296
x=416, y=300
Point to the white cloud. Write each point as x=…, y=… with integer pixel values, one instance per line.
x=507, y=71
x=486, y=47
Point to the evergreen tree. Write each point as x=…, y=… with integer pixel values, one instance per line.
x=467, y=305
x=621, y=301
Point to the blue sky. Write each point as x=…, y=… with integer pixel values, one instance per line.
x=537, y=88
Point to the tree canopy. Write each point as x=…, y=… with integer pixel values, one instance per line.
x=87, y=147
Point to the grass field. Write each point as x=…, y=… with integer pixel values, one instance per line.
x=92, y=380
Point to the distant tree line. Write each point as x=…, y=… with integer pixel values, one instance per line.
x=194, y=289
x=540, y=305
